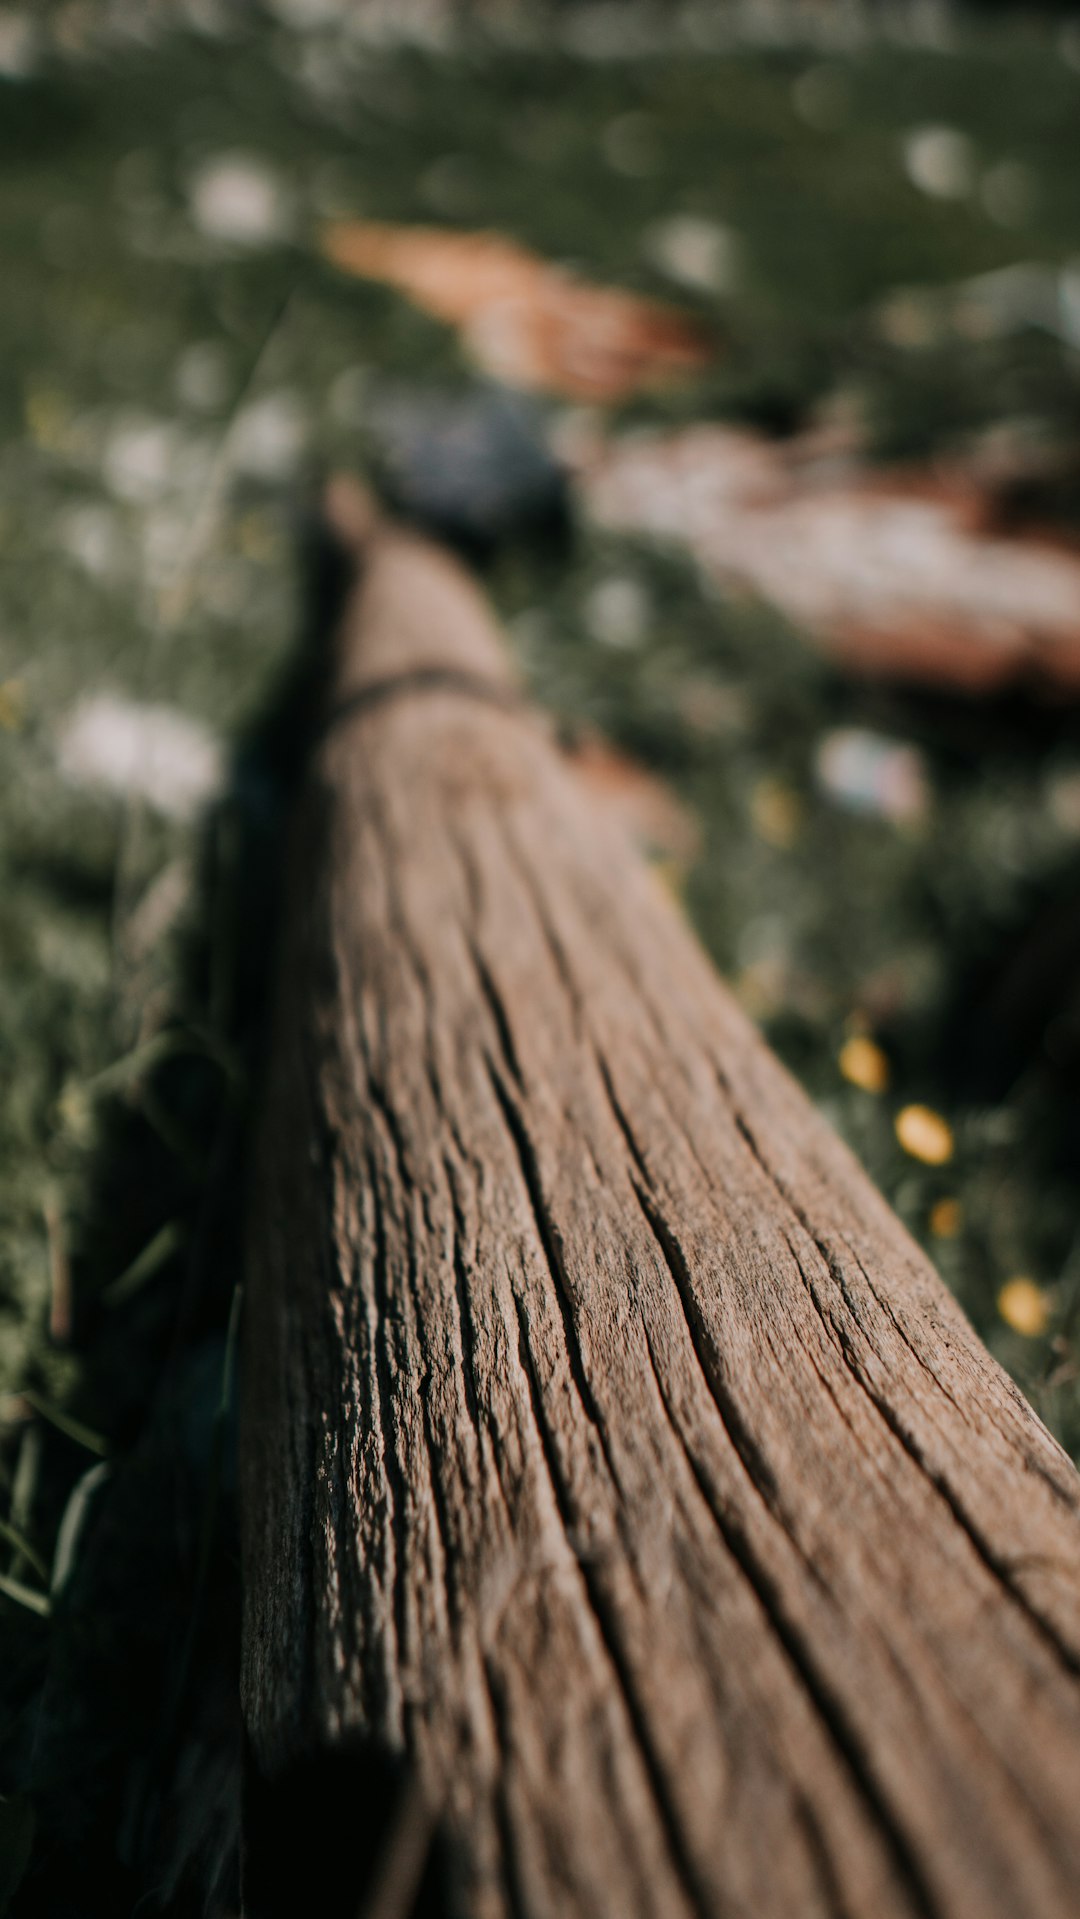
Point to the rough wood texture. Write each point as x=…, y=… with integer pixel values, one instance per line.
x=609, y=1450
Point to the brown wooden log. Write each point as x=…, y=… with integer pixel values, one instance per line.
x=611, y=1457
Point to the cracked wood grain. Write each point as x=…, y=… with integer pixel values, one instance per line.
x=611, y=1458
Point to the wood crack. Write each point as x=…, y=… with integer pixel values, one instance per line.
x=548, y=1235
x=1017, y=1782
x=395, y=1480
x=517, y=1899
x=994, y=1563
x=606, y=1626
x=557, y=951
x=762, y=1479
x=828, y=1709
x=466, y=1332
x=494, y=1002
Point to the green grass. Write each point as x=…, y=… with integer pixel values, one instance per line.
x=110, y=287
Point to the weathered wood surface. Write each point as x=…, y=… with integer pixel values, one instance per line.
x=608, y=1449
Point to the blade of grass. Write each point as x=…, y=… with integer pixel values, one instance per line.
x=64, y=1423
x=131, y=1066
x=59, y=1271
x=145, y=1264
x=73, y=1521
x=25, y=1596
x=24, y=1550
x=24, y=1488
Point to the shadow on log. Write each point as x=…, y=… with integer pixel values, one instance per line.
x=615, y=1468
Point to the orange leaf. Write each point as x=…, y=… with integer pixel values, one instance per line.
x=521, y=319
x=894, y=574
x=638, y=800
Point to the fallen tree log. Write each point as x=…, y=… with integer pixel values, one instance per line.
x=613, y=1464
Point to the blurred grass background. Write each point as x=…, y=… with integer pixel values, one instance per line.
x=170, y=388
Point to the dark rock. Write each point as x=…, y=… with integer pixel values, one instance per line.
x=472, y=467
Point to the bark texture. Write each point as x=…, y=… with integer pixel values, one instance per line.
x=610, y=1454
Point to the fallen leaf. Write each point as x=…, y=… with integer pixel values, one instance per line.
x=899, y=575
x=642, y=804
x=523, y=320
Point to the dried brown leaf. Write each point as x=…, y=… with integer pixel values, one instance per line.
x=524, y=321
x=895, y=575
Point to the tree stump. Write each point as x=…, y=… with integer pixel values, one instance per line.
x=614, y=1467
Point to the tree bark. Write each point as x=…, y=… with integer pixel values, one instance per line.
x=612, y=1460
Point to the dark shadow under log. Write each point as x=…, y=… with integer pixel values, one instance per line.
x=613, y=1464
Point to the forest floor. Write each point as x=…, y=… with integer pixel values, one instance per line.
x=887, y=867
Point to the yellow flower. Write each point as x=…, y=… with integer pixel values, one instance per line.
x=776, y=812
x=47, y=417
x=862, y=1062
x=11, y=705
x=946, y=1219
x=925, y=1135
x=1025, y=1307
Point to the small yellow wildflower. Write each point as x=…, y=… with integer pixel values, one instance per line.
x=1025, y=1307
x=862, y=1061
x=925, y=1135
x=946, y=1219
x=47, y=416
x=74, y=1110
x=777, y=813
x=11, y=705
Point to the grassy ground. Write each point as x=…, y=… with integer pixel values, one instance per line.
x=165, y=397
